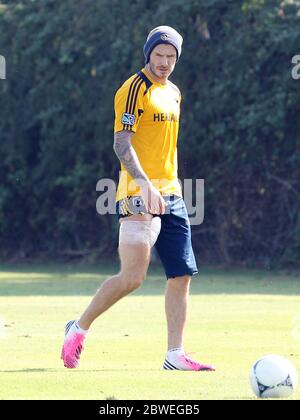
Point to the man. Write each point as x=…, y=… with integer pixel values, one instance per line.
x=149, y=200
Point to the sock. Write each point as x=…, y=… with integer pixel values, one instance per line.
x=76, y=329
x=172, y=354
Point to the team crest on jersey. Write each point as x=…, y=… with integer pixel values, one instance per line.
x=128, y=119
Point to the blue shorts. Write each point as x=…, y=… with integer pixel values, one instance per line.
x=174, y=244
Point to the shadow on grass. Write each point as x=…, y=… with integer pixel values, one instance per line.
x=78, y=371
x=28, y=370
x=58, y=280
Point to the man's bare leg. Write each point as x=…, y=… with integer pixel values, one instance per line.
x=135, y=260
x=176, y=303
x=134, y=265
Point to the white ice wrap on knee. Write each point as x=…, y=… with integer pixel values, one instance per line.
x=139, y=231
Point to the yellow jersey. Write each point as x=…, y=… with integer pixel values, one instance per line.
x=151, y=111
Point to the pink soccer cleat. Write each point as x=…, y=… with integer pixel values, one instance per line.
x=184, y=362
x=72, y=347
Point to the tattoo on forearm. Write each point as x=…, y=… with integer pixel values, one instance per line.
x=128, y=156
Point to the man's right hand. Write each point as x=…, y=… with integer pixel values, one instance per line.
x=123, y=148
x=154, y=202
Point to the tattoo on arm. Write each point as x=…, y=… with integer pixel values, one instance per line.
x=127, y=155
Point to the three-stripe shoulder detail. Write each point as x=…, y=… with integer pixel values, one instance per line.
x=133, y=92
x=146, y=80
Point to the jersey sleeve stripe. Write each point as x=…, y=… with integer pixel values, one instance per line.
x=132, y=98
x=126, y=126
x=129, y=93
x=146, y=80
x=133, y=105
x=137, y=82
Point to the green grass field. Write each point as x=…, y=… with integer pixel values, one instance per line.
x=235, y=317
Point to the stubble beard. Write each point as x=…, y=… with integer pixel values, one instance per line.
x=162, y=76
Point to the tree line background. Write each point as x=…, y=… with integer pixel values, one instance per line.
x=240, y=123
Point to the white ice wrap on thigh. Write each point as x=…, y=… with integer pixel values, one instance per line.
x=155, y=229
x=139, y=231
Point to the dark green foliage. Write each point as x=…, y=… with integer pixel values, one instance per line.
x=239, y=125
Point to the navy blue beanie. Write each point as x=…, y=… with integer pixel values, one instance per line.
x=162, y=35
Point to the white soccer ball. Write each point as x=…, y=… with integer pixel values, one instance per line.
x=273, y=377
